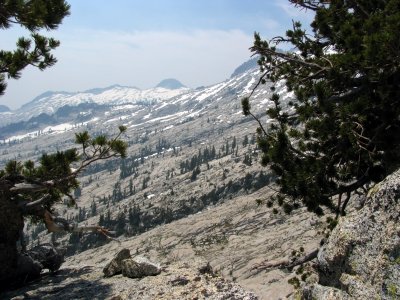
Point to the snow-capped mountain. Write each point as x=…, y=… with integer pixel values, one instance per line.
x=50, y=102
x=168, y=102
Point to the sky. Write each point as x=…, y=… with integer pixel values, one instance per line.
x=139, y=43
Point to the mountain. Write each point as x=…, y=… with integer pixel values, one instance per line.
x=4, y=108
x=248, y=65
x=63, y=109
x=97, y=91
x=190, y=183
x=171, y=84
x=49, y=102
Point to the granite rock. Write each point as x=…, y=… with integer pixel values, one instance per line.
x=139, y=267
x=361, y=259
x=115, y=265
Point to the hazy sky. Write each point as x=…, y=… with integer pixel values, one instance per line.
x=139, y=43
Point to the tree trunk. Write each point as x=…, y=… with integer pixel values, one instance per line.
x=11, y=224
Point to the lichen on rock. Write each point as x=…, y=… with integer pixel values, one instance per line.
x=139, y=267
x=361, y=259
x=115, y=265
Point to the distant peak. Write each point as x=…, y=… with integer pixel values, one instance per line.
x=4, y=108
x=244, y=67
x=171, y=84
x=45, y=95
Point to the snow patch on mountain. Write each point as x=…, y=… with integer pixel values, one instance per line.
x=49, y=102
x=56, y=129
x=139, y=108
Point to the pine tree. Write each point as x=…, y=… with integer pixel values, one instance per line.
x=245, y=141
x=233, y=144
x=343, y=130
x=131, y=192
x=120, y=226
x=93, y=208
x=35, y=51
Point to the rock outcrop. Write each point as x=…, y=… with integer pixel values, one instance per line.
x=136, y=267
x=139, y=267
x=115, y=265
x=361, y=259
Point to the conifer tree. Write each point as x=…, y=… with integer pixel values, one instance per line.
x=343, y=130
x=33, y=15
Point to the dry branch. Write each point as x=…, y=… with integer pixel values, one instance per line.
x=285, y=263
x=61, y=225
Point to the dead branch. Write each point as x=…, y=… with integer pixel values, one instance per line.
x=24, y=187
x=61, y=225
x=31, y=205
x=285, y=263
x=289, y=58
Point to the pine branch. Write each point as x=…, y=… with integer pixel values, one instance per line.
x=313, y=5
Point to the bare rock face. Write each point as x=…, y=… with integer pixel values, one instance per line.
x=361, y=259
x=114, y=266
x=139, y=267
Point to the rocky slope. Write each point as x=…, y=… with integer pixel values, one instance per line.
x=178, y=280
x=361, y=259
x=233, y=237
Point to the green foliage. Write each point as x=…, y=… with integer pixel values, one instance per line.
x=101, y=146
x=246, y=106
x=54, y=177
x=195, y=172
x=295, y=282
x=343, y=129
x=300, y=270
x=32, y=15
x=331, y=223
x=304, y=276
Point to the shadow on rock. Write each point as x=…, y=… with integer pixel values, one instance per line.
x=62, y=285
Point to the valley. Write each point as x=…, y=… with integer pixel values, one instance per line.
x=191, y=186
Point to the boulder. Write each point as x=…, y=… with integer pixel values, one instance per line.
x=115, y=265
x=48, y=256
x=361, y=259
x=139, y=267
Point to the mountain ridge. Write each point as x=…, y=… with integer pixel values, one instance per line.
x=4, y=108
x=79, y=106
